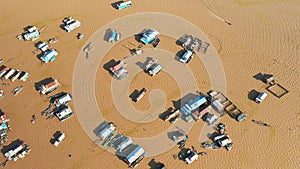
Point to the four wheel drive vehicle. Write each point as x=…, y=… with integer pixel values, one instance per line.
x=187, y=56
x=59, y=139
x=261, y=97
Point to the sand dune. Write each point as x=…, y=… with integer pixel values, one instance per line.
x=263, y=37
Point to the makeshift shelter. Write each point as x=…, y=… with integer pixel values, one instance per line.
x=3, y=117
x=43, y=46
x=49, y=87
x=31, y=34
x=118, y=70
x=126, y=142
x=49, y=56
x=18, y=151
x=211, y=118
x=149, y=36
x=9, y=73
x=222, y=140
x=218, y=106
x=106, y=131
x=3, y=70
x=62, y=100
x=24, y=76
x=132, y=155
x=192, y=105
x=70, y=24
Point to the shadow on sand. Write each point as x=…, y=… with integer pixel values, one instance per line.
x=134, y=95
x=48, y=80
x=109, y=64
x=171, y=134
x=115, y=4
x=37, y=44
x=165, y=113
x=179, y=103
x=155, y=165
x=262, y=77
x=10, y=146
x=180, y=41
x=55, y=137
x=179, y=54
x=143, y=65
x=252, y=95
x=107, y=34
x=259, y=76
x=212, y=135
x=138, y=36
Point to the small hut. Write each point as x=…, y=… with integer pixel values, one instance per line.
x=269, y=79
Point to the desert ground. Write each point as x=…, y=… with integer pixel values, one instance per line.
x=263, y=38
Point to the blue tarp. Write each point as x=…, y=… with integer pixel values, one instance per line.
x=4, y=126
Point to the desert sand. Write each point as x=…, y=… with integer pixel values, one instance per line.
x=263, y=37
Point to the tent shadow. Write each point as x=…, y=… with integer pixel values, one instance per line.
x=252, y=95
x=179, y=103
x=10, y=146
x=179, y=54
x=143, y=65
x=115, y=4
x=212, y=135
x=107, y=34
x=165, y=113
x=55, y=137
x=134, y=95
x=109, y=64
x=259, y=76
x=155, y=165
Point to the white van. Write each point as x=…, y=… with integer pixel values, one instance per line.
x=261, y=97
